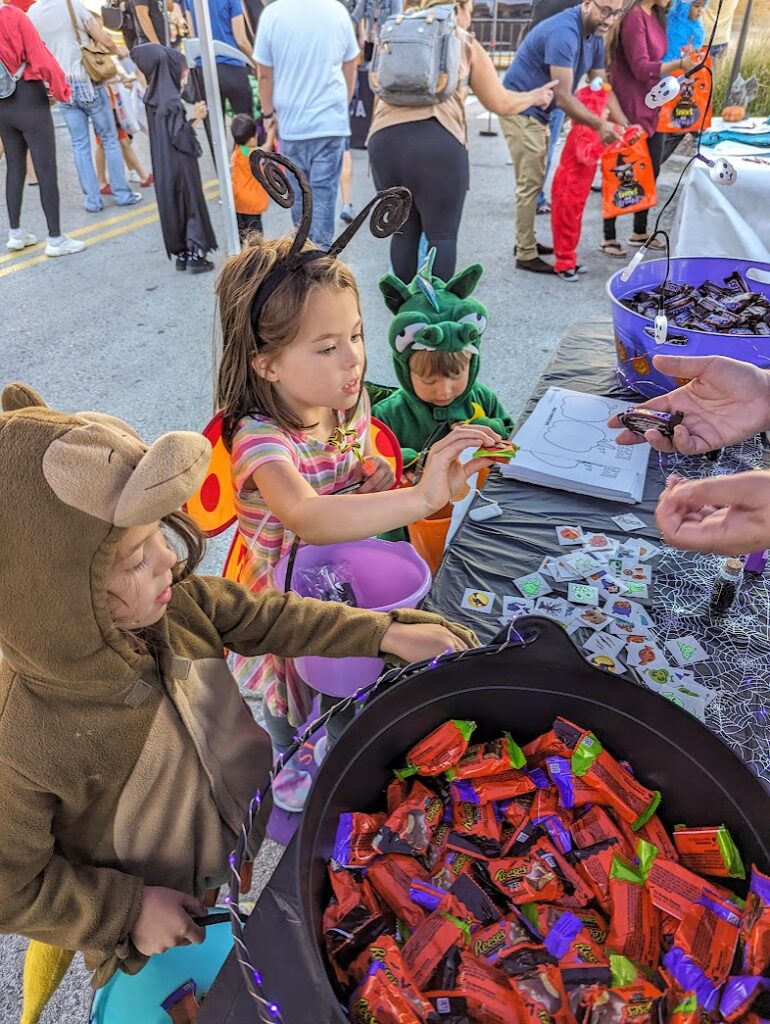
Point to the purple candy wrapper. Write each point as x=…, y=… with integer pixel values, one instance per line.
x=562, y=934
x=739, y=993
x=689, y=975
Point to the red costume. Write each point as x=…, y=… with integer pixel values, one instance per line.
x=573, y=179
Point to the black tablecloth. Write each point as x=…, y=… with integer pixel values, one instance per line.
x=487, y=556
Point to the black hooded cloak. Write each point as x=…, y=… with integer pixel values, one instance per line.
x=184, y=216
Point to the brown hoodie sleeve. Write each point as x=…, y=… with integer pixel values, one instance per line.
x=46, y=897
x=269, y=622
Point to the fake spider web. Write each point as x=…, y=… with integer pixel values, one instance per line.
x=738, y=643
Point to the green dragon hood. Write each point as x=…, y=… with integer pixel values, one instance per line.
x=434, y=315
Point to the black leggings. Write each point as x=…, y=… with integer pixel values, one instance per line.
x=655, y=145
x=234, y=85
x=433, y=165
x=26, y=124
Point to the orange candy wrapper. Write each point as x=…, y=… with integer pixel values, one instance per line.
x=410, y=828
x=631, y=1004
x=388, y=994
x=626, y=795
x=430, y=942
x=755, y=925
x=492, y=758
x=440, y=750
x=391, y=878
x=635, y=923
x=490, y=999
x=709, y=851
x=541, y=997
x=595, y=826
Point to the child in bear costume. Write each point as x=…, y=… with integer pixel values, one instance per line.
x=128, y=755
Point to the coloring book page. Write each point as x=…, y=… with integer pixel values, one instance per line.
x=566, y=443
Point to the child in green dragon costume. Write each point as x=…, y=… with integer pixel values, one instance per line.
x=435, y=337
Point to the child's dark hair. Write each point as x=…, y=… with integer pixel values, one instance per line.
x=243, y=128
x=240, y=389
x=442, y=364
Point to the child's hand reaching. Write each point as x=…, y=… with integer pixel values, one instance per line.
x=382, y=479
x=165, y=920
x=444, y=476
x=418, y=641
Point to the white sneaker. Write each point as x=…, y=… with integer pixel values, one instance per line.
x=133, y=176
x=18, y=242
x=66, y=247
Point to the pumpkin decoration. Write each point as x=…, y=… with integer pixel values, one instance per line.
x=734, y=113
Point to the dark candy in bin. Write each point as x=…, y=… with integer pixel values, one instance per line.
x=523, y=689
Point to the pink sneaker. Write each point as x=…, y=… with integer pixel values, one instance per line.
x=290, y=789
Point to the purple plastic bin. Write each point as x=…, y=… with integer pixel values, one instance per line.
x=386, y=575
x=634, y=341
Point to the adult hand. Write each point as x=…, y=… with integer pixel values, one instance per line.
x=381, y=479
x=444, y=476
x=724, y=402
x=688, y=63
x=122, y=51
x=200, y=110
x=417, y=641
x=607, y=132
x=725, y=515
x=543, y=97
x=165, y=920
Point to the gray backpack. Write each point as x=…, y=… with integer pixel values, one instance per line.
x=417, y=60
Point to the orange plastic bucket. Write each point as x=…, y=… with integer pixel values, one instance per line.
x=428, y=536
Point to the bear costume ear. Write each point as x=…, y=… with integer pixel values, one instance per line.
x=394, y=291
x=21, y=396
x=463, y=283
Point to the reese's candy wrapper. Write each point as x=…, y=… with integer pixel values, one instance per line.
x=709, y=850
x=595, y=825
x=633, y=1004
x=551, y=744
x=476, y=830
x=545, y=802
x=410, y=828
x=672, y=887
x=541, y=996
x=532, y=876
x=625, y=794
x=430, y=942
x=739, y=995
x=354, y=842
x=581, y=960
x=351, y=922
x=438, y=847
x=440, y=750
x=397, y=792
x=654, y=831
x=491, y=758
x=391, y=877
x=515, y=812
x=476, y=902
x=490, y=1000
x=542, y=917
x=593, y=864
x=492, y=788
x=634, y=923
x=755, y=924
x=499, y=939
x=556, y=830
x=381, y=1000
x=449, y=869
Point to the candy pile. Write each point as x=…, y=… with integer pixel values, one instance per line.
x=538, y=886
x=728, y=308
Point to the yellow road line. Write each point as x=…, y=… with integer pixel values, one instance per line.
x=150, y=216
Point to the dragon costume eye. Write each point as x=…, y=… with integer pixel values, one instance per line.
x=406, y=337
x=478, y=321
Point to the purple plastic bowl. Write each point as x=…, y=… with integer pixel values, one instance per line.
x=386, y=575
x=634, y=340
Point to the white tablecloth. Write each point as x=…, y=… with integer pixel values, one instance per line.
x=731, y=221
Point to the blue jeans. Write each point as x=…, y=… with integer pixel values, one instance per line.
x=320, y=160
x=77, y=114
x=555, y=121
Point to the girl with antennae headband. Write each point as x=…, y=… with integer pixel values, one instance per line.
x=296, y=422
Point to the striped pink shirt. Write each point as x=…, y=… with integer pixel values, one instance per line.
x=257, y=441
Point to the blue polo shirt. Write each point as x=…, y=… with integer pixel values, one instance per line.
x=221, y=13
x=560, y=42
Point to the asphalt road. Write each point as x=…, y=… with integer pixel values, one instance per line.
x=117, y=329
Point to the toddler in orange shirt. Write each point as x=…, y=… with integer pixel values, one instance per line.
x=250, y=198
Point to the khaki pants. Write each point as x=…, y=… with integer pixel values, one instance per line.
x=527, y=140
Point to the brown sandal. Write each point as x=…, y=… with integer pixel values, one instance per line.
x=611, y=247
